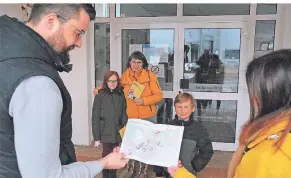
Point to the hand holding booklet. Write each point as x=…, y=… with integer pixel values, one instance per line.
x=153, y=144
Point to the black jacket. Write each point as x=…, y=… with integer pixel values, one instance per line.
x=108, y=116
x=196, y=149
x=23, y=54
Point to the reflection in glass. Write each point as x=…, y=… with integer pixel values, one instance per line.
x=146, y=10
x=158, y=46
x=102, y=9
x=165, y=111
x=101, y=51
x=211, y=59
x=215, y=9
x=263, y=9
x=219, y=117
x=264, y=37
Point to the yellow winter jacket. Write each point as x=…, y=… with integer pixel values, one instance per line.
x=261, y=160
x=151, y=95
x=183, y=173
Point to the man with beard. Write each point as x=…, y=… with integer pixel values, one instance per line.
x=35, y=106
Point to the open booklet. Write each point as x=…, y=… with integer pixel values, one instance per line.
x=153, y=144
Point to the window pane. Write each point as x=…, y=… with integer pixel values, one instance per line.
x=264, y=37
x=215, y=9
x=146, y=10
x=219, y=118
x=266, y=9
x=157, y=45
x=102, y=10
x=165, y=111
x=211, y=60
x=101, y=51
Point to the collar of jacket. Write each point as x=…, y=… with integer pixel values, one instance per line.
x=271, y=133
x=38, y=48
x=129, y=76
x=180, y=122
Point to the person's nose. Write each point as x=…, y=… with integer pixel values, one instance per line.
x=78, y=43
x=182, y=110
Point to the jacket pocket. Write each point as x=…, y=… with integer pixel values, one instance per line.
x=146, y=111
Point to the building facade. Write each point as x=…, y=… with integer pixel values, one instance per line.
x=199, y=48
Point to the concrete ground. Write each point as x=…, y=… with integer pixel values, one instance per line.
x=217, y=167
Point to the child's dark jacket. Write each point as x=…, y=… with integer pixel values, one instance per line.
x=196, y=149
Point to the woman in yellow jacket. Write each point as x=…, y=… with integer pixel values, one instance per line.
x=265, y=142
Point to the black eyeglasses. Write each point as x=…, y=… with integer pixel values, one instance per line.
x=79, y=32
x=111, y=81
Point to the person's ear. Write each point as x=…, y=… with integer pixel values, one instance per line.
x=193, y=108
x=51, y=22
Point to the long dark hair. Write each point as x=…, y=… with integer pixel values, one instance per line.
x=269, y=85
x=106, y=78
x=140, y=56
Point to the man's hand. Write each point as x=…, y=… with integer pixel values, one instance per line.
x=95, y=91
x=138, y=101
x=172, y=170
x=114, y=160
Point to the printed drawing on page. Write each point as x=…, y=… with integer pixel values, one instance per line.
x=152, y=143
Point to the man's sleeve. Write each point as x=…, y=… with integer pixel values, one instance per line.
x=36, y=107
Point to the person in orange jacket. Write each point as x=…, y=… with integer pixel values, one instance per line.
x=265, y=142
x=145, y=106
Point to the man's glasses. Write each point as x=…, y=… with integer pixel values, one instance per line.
x=79, y=32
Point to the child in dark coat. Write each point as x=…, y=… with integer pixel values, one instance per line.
x=109, y=116
x=196, y=149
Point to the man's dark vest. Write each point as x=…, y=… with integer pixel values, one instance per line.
x=12, y=73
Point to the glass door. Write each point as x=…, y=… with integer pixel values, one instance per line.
x=158, y=43
x=211, y=68
x=204, y=59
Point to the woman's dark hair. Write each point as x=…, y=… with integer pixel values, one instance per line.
x=269, y=85
x=106, y=78
x=140, y=56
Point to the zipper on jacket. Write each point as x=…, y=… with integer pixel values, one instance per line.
x=134, y=77
x=138, y=112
